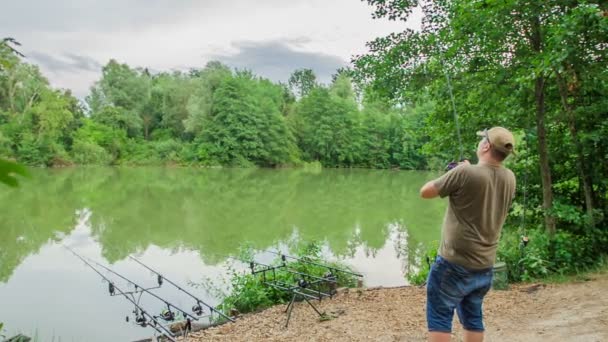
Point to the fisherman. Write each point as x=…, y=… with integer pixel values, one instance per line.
x=479, y=199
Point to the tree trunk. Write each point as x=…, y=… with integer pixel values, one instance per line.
x=147, y=120
x=580, y=158
x=539, y=99
x=12, y=87
x=545, y=171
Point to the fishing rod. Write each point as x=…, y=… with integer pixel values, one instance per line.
x=168, y=315
x=330, y=268
x=197, y=307
x=140, y=313
x=447, y=76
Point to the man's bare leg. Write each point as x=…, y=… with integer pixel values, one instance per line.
x=435, y=336
x=473, y=336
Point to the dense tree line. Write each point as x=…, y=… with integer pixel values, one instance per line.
x=539, y=68
x=211, y=116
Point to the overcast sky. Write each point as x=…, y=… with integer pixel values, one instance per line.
x=71, y=39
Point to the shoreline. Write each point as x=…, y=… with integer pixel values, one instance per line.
x=524, y=312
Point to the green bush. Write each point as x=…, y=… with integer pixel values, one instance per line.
x=525, y=263
x=187, y=153
x=41, y=151
x=564, y=253
x=89, y=153
x=139, y=152
x=543, y=256
x=166, y=150
x=5, y=146
x=32, y=151
x=112, y=140
x=425, y=256
x=248, y=293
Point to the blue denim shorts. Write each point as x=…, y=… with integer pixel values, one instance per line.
x=449, y=287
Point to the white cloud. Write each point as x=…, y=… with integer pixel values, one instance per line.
x=164, y=34
x=276, y=60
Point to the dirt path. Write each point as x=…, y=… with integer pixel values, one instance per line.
x=562, y=312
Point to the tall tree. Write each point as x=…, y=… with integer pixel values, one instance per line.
x=328, y=129
x=8, y=58
x=302, y=81
x=126, y=91
x=245, y=124
x=205, y=83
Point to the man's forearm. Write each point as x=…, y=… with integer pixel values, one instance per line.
x=429, y=190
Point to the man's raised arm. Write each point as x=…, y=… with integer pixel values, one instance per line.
x=429, y=190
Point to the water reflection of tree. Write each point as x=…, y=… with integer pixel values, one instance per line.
x=214, y=211
x=32, y=215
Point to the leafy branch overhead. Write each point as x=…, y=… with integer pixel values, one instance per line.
x=9, y=172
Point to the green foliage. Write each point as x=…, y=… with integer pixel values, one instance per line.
x=327, y=126
x=205, y=83
x=89, y=153
x=9, y=171
x=524, y=263
x=425, y=257
x=41, y=151
x=212, y=116
x=94, y=135
x=244, y=127
x=302, y=82
x=564, y=253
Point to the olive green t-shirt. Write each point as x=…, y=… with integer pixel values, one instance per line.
x=479, y=200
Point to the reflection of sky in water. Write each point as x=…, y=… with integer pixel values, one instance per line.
x=384, y=266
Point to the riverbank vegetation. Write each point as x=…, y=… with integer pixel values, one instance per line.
x=214, y=116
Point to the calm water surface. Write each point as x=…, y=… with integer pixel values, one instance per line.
x=185, y=223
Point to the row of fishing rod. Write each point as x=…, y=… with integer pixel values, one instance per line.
x=164, y=322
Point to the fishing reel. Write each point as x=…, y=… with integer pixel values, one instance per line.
x=111, y=288
x=303, y=283
x=197, y=309
x=332, y=282
x=329, y=276
x=140, y=319
x=167, y=315
x=453, y=164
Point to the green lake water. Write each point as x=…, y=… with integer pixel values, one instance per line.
x=185, y=223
